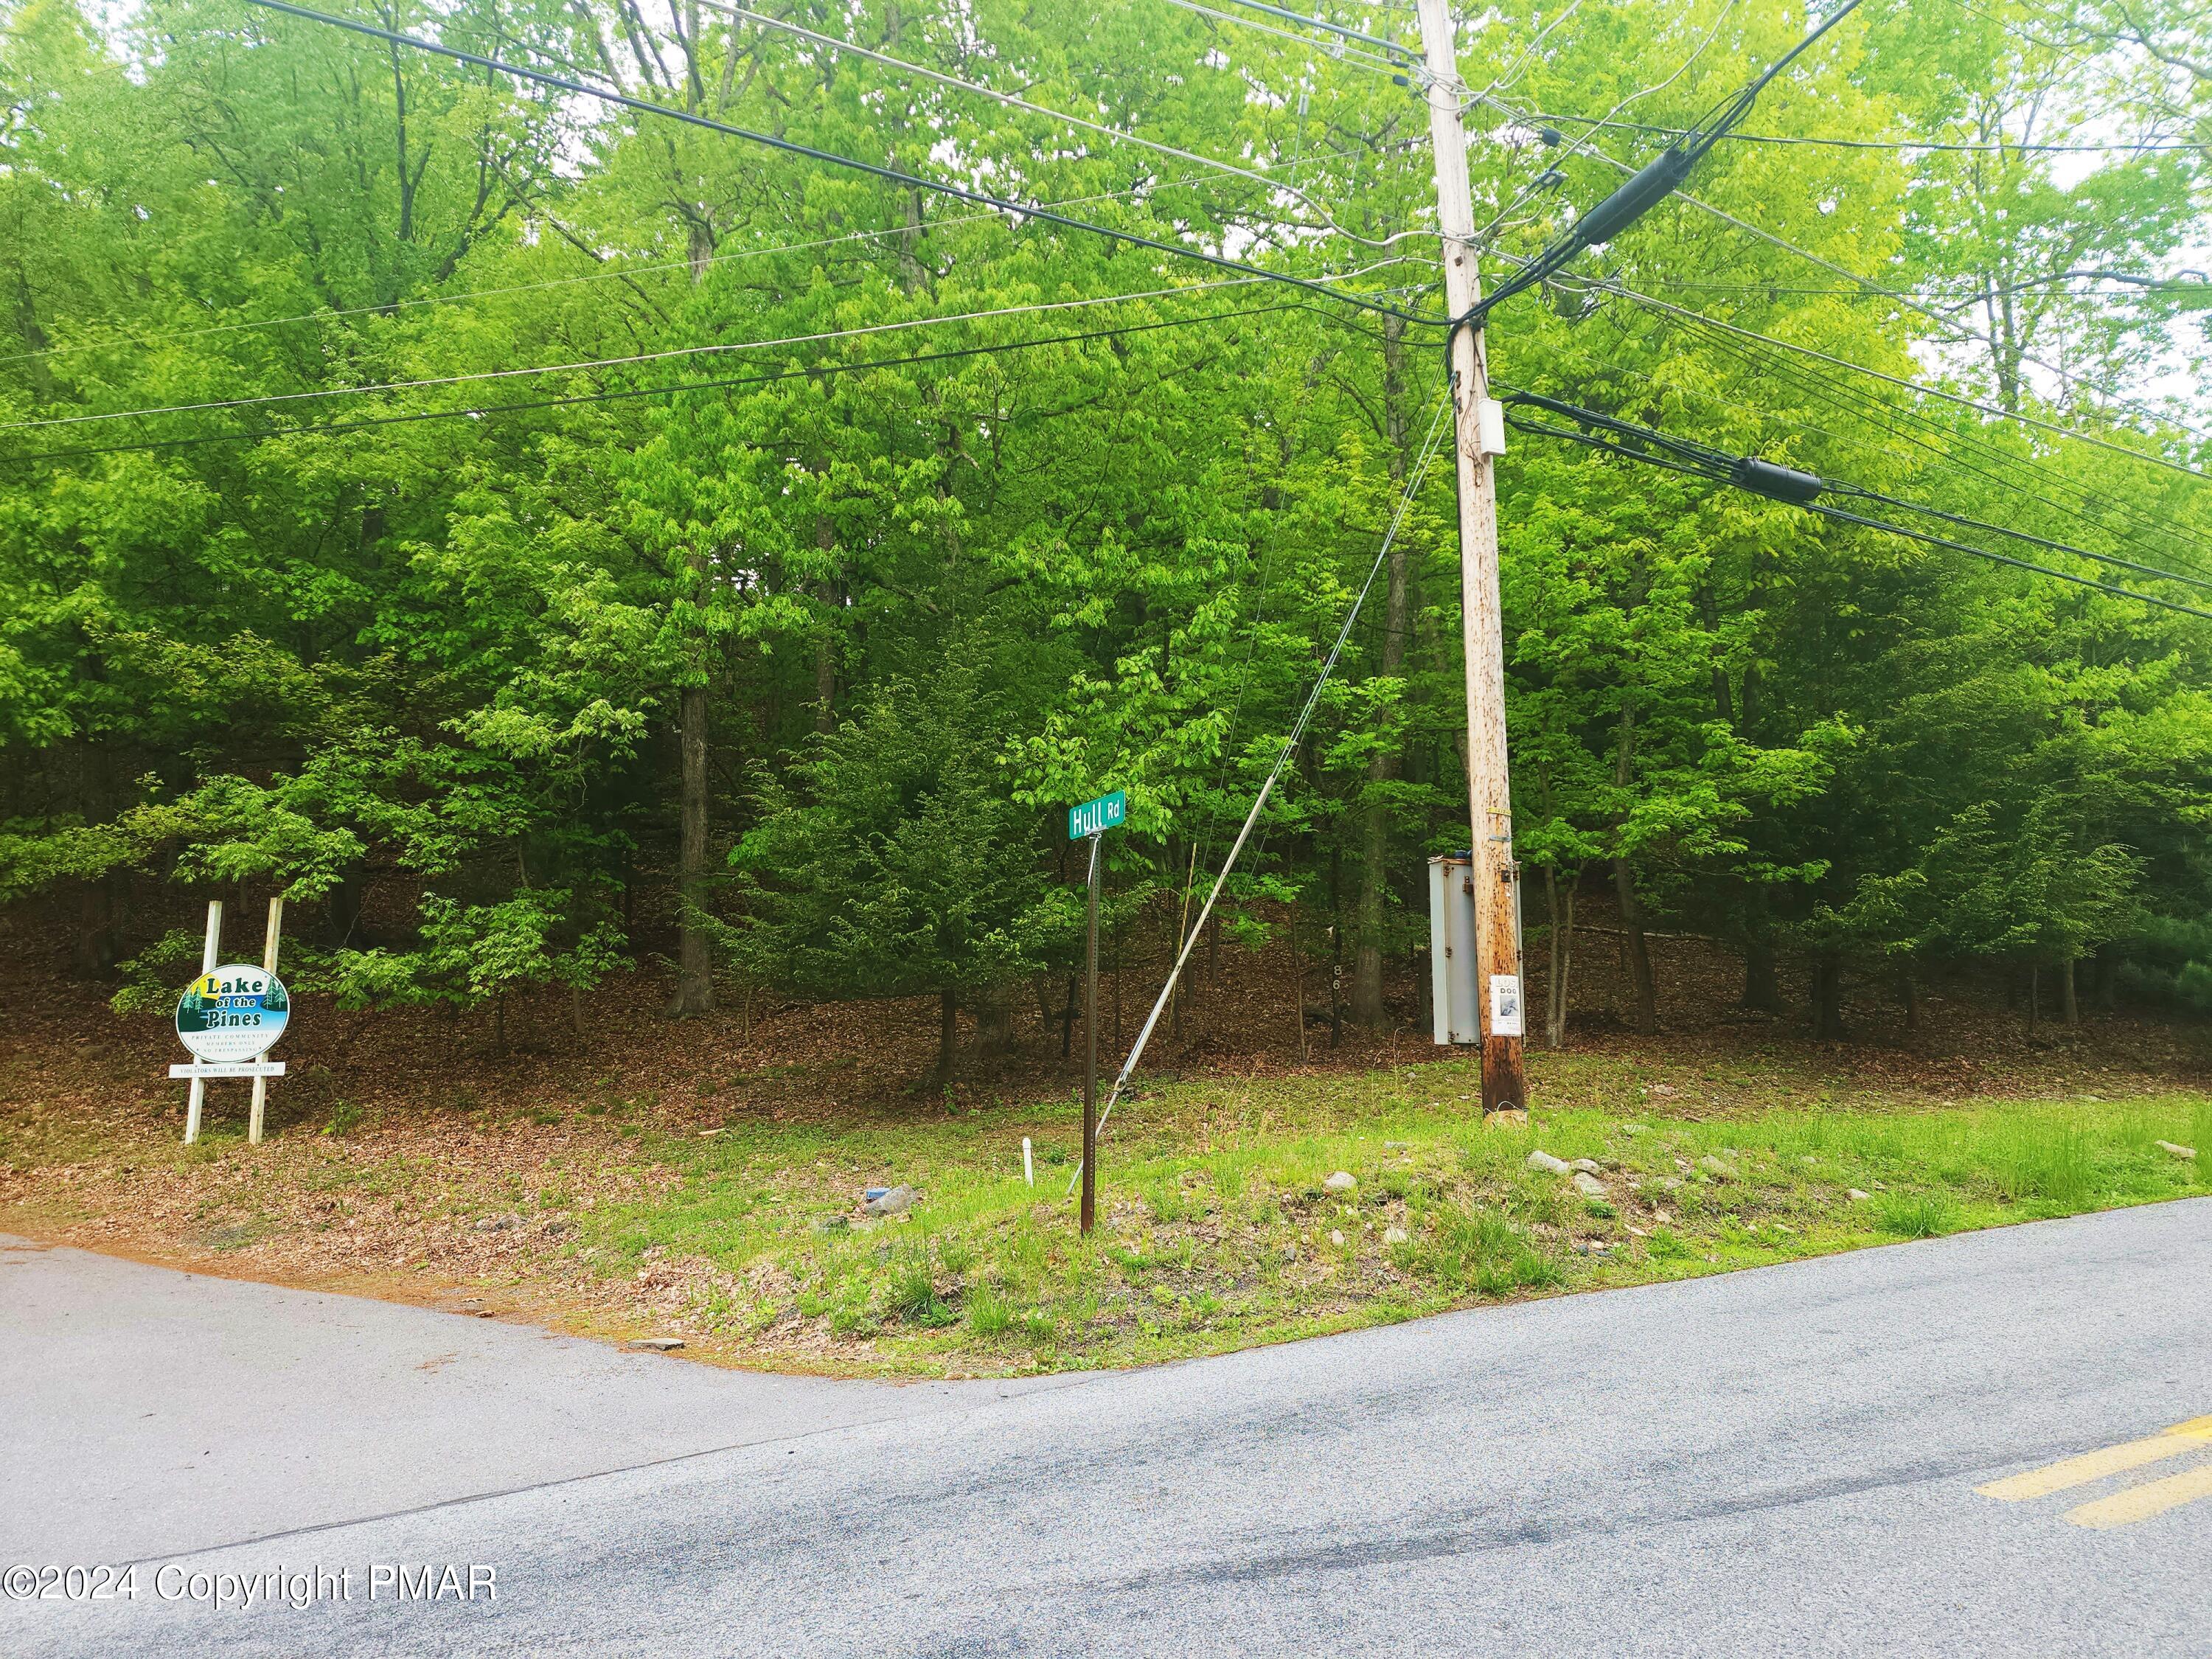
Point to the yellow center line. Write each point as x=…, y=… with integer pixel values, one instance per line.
x=2141, y=1503
x=2176, y=1442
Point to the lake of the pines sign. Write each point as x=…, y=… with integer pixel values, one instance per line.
x=235, y=1013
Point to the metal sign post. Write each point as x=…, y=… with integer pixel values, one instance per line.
x=1090, y=822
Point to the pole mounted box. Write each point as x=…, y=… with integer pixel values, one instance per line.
x=1452, y=949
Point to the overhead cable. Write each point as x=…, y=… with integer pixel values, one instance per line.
x=2118, y=146
x=1357, y=57
x=1962, y=331
x=831, y=158
x=814, y=371
x=1646, y=186
x=1793, y=488
x=1118, y=134
x=1609, y=285
x=627, y=360
x=1414, y=475
x=1919, y=429
x=615, y=274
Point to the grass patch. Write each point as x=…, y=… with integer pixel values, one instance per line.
x=1216, y=1231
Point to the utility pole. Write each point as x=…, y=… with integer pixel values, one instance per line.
x=1478, y=425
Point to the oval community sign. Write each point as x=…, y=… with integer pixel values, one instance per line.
x=236, y=1012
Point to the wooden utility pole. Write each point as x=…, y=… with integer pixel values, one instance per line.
x=1478, y=436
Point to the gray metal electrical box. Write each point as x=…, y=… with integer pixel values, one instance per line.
x=1451, y=948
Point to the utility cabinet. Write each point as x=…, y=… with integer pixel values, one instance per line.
x=1451, y=948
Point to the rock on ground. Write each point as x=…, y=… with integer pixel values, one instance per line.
x=1549, y=1165
x=894, y=1202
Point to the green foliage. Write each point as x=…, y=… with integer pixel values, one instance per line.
x=893, y=860
x=917, y=608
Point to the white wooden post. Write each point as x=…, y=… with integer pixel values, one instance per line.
x=268, y=967
x=208, y=957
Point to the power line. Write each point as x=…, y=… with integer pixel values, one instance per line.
x=1609, y=285
x=1316, y=21
x=892, y=175
x=1414, y=477
x=1866, y=404
x=614, y=275
x=2183, y=282
x=1790, y=487
x=1551, y=170
x=1966, y=523
x=1358, y=57
x=1648, y=185
x=620, y=394
x=629, y=359
x=1718, y=461
x=2143, y=147
x=1118, y=134
x=1960, y=331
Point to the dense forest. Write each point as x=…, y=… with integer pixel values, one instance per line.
x=545, y=538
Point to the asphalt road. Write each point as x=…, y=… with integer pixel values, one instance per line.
x=1782, y=1461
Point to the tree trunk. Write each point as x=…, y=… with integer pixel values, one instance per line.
x=1908, y=989
x=695, y=979
x=1367, y=1006
x=2034, y=996
x=1067, y=1021
x=825, y=645
x=1335, y=949
x=1827, y=998
x=1562, y=908
x=1762, y=977
x=948, y=1037
x=994, y=1025
x=2069, y=1008
x=97, y=951
x=2106, y=979
x=1297, y=979
x=343, y=905
x=1639, y=950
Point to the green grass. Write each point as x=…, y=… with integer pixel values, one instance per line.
x=1216, y=1231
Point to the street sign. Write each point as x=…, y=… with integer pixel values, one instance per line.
x=1095, y=816
x=1091, y=821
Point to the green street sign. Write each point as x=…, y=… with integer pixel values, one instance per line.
x=1095, y=817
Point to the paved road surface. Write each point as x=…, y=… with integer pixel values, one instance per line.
x=1774, y=1462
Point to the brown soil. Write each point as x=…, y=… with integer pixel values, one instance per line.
x=442, y=1137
